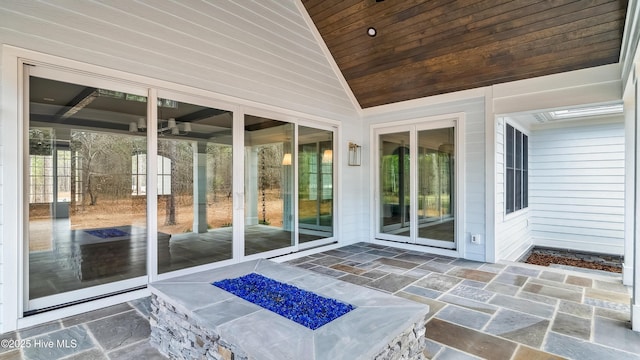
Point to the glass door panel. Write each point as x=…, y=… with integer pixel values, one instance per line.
x=436, y=220
x=315, y=184
x=194, y=185
x=394, y=184
x=269, y=185
x=86, y=230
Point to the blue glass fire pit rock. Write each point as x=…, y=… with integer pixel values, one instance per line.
x=304, y=307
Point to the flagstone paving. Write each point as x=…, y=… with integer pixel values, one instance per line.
x=477, y=310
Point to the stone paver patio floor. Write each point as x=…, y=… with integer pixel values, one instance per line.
x=478, y=310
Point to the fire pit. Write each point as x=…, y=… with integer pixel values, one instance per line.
x=192, y=318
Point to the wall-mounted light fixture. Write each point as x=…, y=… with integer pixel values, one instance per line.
x=286, y=160
x=355, y=154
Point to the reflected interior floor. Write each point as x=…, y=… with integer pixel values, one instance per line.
x=78, y=261
x=438, y=231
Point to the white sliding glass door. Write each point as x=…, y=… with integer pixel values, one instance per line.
x=126, y=184
x=416, y=183
x=85, y=229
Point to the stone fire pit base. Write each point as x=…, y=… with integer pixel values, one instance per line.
x=192, y=319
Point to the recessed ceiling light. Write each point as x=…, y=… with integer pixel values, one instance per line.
x=586, y=111
x=49, y=99
x=371, y=31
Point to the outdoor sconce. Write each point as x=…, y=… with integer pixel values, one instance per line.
x=286, y=160
x=355, y=154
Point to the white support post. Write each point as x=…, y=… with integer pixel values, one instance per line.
x=251, y=181
x=635, y=298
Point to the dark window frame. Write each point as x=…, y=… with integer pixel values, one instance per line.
x=516, y=166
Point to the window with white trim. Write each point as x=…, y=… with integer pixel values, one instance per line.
x=516, y=170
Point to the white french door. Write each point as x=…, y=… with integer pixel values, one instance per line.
x=416, y=183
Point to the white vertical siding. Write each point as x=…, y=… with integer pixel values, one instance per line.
x=261, y=51
x=474, y=179
x=513, y=231
x=576, y=187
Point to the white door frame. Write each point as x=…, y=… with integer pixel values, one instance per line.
x=413, y=127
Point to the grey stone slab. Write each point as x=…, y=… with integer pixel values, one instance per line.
x=431, y=349
x=355, y=279
x=577, y=309
x=375, y=274
x=336, y=340
x=554, y=292
x=472, y=293
x=12, y=335
x=470, y=304
x=12, y=354
x=300, y=260
x=519, y=270
x=475, y=284
x=397, y=263
x=307, y=265
x=511, y=279
x=224, y=311
x=613, y=314
x=327, y=271
x=617, y=334
x=39, y=329
x=424, y=292
x=572, y=326
x=436, y=267
x=192, y=296
x=607, y=305
x=417, y=273
x=363, y=257
x=286, y=339
x=573, y=348
x=391, y=282
x=519, y=327
x=538, y=298
x=368, y=265
x=557, y=285
x=553, y=276
x=279, y=272
x=439, y=282
x=138, y=351
x=58, y=344
x=360, y=296
x=494, y=268
x=119, y=330
x=327, y=260
x=384, y=253
x=465, y=317
x=93, y=354
x=526, y=306
x=391, y=269
x=453, y=354
x=467, y=263
x=444, y=259
x=415, y=257
x=502, y=288
x=579, y=281
x=338, y=253
x=611, y=286
x=142, y=305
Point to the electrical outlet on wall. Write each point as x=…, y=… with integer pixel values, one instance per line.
x=476, y=239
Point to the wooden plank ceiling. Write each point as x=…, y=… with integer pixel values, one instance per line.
x=430, y=47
